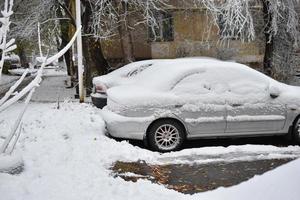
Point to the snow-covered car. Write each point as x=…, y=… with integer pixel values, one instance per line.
x=125, y=75
x=183, y=99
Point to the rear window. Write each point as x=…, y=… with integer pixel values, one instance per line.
x=138, y=70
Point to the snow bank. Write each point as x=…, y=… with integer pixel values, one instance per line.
x=10, y=162
x=20, y=71
x=278, y=184
x=67, y=156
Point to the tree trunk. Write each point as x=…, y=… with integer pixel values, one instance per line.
x=22, y=54
x=65, y=38
x=269, y=49
x=95, y=62
x=126, y=35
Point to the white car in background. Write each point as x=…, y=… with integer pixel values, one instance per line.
x=183, y=99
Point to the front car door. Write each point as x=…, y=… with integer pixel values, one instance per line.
x=250, y=109
x=203, y=109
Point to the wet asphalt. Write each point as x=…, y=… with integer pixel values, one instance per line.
x=193, y=177
x=190, y=179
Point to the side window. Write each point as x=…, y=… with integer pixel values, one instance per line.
x=165, y=28
x=247, y=88
x=230, y=82
x=199, y=84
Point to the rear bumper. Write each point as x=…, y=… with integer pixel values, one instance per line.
x=99, y=100
x=119, y=126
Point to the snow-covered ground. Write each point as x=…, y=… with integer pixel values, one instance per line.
x=67, y=156
x=6, y=79
x=53, y=89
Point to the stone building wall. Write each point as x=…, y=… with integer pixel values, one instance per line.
x=191, y=38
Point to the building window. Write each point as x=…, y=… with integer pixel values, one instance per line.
x=164, y=32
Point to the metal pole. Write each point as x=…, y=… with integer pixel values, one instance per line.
x=79, y=53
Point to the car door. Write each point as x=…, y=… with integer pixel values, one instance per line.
x=250, y=109
x=202, y=110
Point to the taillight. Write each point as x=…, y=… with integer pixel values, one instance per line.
x=100, y=89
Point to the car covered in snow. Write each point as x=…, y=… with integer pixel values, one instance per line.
x=181, y=99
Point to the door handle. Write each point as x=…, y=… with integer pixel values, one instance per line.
x=236, y=105
x=178, y=106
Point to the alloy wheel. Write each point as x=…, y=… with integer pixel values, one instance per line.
x=167, y=137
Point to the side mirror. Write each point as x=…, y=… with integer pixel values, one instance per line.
x=274, y=92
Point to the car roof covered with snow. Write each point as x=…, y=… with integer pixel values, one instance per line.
x=177, y=81
x=164, y=76
x=130, y=72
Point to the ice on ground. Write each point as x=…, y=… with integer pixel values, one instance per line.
x=67, y=156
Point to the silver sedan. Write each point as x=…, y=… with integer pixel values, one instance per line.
x=177, y=100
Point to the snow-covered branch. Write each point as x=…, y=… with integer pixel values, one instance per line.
x=6, y=101
x=13, y=88
x=109, y=14
x=234, y=18
x=5, y=46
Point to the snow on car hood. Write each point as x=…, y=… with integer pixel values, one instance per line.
x=289, y=95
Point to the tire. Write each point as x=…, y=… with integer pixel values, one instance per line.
x=296, y=132
x=166, y=135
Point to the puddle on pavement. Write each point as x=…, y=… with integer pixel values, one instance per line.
x=190, y=179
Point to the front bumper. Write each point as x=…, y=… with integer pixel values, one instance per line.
x=119, y=126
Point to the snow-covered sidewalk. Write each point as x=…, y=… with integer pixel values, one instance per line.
x=67, y=156
x=6, y=79
x=53, y=89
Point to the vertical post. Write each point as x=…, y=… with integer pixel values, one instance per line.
x=79, y=53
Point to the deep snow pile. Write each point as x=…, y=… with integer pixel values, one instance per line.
x=67, y=156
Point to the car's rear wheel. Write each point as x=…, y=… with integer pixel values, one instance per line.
x=296, y=132
x=166, y=135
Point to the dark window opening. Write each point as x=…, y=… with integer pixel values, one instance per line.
x=164, y=31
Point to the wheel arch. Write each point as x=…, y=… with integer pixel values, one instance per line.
x=296, y=119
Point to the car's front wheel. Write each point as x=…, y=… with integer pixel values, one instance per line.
x=296, y=132
x=166, y=135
